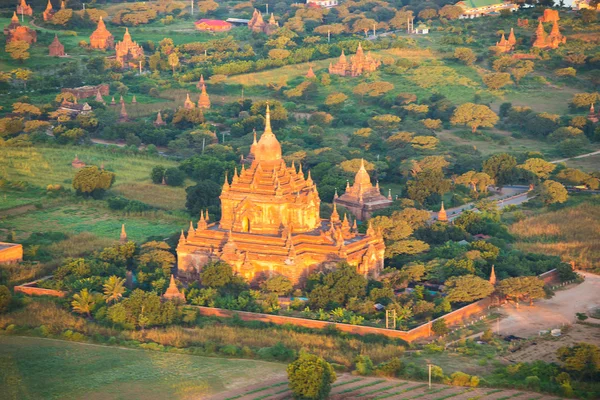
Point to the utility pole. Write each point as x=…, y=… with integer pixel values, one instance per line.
x=83, y=4
x=22, y=18
x=140, y=63
x=374, y=31
x=429, y=365
x=192, y=5
x=203, y=142
x=267, y=9
x=328, y=36
x=242, y=95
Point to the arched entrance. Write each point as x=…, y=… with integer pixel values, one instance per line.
x=245, y=224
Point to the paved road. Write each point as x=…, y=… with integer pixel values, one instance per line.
x=593, y=153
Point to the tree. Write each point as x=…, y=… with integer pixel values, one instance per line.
x=521, y=70
x=279, y=284
x=427, y=183
x=583, y=358
x=466, y=55
x=22, y=75
x=336, y=100
x=174, y=176
x=157, y=174
x=477, y=181
x=424, y=142
x=439, y=327
x=203, y=195
x=524, y=287
x=310, y=377
x=467, y=288
x=26, y=109
x=216, y=275
x=155, y=255
x=551, y=192
x=5, y=298
x=450, y=12
x=18, y=50
x=474, y=116
x=83, y=302
x=538, y=167
x=207, y=6
x=173, y=61
x=114, y=289
x=91, y=180
x=501, y=168
x=497, y=80
x=428, y=13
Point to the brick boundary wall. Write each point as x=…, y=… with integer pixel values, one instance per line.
x=10, y=253
x=31, y=289
x=453, y=318
x=551, y=277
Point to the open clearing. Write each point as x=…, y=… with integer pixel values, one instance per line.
x=36, y=368
x=353, y=387
x=552, y=313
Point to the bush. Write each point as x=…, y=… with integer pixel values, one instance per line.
x=157, y=174
x=5, y=298
x=391, y=368
x=363, y=365
x=461, y=379
x=174, y=176
x=310, y=377
x=278, y=352
x=230, y=350
x=439, y=327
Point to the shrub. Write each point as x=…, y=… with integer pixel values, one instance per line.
x=363, y=365
x=278, y=352
x=310, y=377
x=5, y=298
x=391, y=368
x=439, y=327
x=174, y=176
x=230, y=350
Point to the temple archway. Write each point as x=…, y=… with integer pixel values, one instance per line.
x=245, y=224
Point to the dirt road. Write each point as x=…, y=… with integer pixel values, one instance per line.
x=552, y=313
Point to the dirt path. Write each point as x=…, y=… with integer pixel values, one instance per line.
x=593, y=153
x=552, y=313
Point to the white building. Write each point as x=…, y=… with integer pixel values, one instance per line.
x=479, y=8
x=323, y=3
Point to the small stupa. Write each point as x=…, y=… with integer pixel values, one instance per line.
x=173, y=292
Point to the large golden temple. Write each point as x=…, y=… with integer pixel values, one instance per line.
x=270, y=224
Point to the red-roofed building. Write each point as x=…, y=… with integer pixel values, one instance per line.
x=212, y=25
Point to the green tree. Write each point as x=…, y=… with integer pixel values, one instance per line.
x=474, y=116
x=90, y=180
x=467, y=288
x=155, y=255
x=157, y=174
x=450, y=12
x=203, y=195
x=439, y=327
x=501, y=168
x=114, y=287
x=538, y=167
x=18, y=50
x=551, y=192
x=279, y=284
x=427, y=183
x=582, y=358
x=216, y=275
x=174, y=176
x=466, y=55
x=83, y=302
x=173, y=61
x=310, y=377
x=5, y=298
x=497, y=80
x=520, y=288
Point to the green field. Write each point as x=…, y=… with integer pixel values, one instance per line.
x=34, y=368
x=90, y=216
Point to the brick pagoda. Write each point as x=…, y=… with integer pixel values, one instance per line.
x=15, y=31
x=551, y=41
x=56, y=48
x=507, y=45
x=128, y=50
x=362, y=198
x=204, y=100
x=359, y=64
x=48, y=12
x=270, y=224
x=101, y=38
x=258, y=24
x=24, y=8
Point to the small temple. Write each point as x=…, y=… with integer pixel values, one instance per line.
x=188, y=104
x=123, y=117
x=258, y=24
x=24, y=8
x=48, y=12
x=127, y=50
x=550, y=15
x=204, y=100
x=493, y=279
x=56, y=48
x=551, y=41
x=159, y=121
x=359, y=63
x=77, y=163
x=133, y=100
x=310, y=74
x=200, y=82
x=101, y=38
x=99, y=97
x=507, y=45
x=362, y=198
x=15, y=31
x=123, y=236
x=270, y=224
x=442, y=216
x=173, y=292
x=592, y=115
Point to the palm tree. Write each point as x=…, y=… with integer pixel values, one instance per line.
x=83, y=302
x=114, y=289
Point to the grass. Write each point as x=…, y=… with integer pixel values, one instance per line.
x=570, y=232
x=587, y=164
x=383, y=389
x=385, y=396
x=90, y=216
x=346, y=382
x=42, y=166
x=352, y=389
x=34, y=368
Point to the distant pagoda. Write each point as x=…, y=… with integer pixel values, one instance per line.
x=101, y=38
x=56, y=48
x=128, y=50
x=359, y=63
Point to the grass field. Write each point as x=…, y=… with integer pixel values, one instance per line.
x=34, y=368
x=587, y=164
x=91, y=217
x=571, y=233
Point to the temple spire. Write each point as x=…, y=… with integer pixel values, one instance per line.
x=123, y=237
x=442, y=216
x=493, y=276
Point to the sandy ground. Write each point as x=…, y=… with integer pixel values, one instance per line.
x=552, y=313
x=544, y=348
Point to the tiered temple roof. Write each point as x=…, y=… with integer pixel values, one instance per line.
x=15, y=31
x=24, y=8
x=56, y=48
x=442, y=216
x=551, y=41
x=270, y=224
x=101, y=38
x=593, y=116
x=127, y=50
x=258, y=24
x=507, y=45
x=173, y=292
x=362, y=198
x=188, y=104
x=48, y=12
x=159, y=121
x=204, y=100
x=359, y=63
